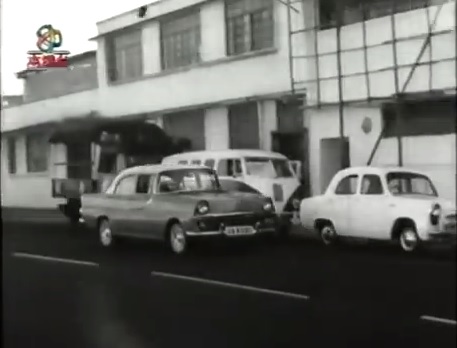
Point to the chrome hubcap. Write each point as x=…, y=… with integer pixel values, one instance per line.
x=178, y=239
x=408, y=240
x=105, y=235
x=328, y=235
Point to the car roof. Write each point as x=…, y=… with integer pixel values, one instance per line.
x=227, y=153
x=158, y=168
x=378, y=170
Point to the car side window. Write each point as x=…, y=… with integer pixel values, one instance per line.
x=371, y=185
x=196, y=162
x=229, y=167
x=182, y=162
x=347, y=186
x=126, y=186
x=143, y=184
x=209, y=163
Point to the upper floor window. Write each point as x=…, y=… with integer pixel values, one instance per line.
x=250, y=25
x=12, y=155
x=124, y=56
x=37, y=147
x=354, y=11
x=180, y=40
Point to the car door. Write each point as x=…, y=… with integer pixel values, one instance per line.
x=338, y=205
x=369, y=208
x=122, y=195
x=137, y=209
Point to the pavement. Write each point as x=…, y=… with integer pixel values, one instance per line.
x=61, y=289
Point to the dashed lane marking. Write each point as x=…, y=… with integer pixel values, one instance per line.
x=230, y=285
x=54, y=259
x=439, y=320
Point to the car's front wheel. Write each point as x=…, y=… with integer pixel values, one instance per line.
x=177, y=239
x=409, y=240
x=105, y=233
x=328, y=235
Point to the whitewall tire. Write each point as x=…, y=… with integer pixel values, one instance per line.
x=409, y=240
x=328, y=235
x=177, y=239
x=105, y=233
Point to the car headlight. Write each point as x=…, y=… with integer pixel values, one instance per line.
x=268, y=206
x=435, y=213
x=202, y=208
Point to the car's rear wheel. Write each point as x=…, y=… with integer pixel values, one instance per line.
x=177, y=239
x=328, y=235
x=105, y=233
x=409, y=240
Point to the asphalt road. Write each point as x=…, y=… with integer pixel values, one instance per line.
x=61, y=289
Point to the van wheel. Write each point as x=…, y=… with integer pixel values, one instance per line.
x=328, y=235
x=177, y=239
x=409, y=240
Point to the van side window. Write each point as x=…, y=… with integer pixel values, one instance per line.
x=182, y=162
x=196, y=162
x=229, y=167
x=209, y=163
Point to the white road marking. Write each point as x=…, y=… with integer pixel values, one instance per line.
x=439, y=320
x=54, y=259
x=230, y=285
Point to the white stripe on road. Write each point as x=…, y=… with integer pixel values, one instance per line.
x=55, y=259
x=439, y=320
x=230, y=285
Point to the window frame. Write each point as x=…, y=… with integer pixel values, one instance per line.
x=118, y=52
x=44, y=137
x=168, y=59
x=248, y=32
x=348, y=176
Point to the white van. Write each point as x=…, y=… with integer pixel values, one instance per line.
x=270, y=173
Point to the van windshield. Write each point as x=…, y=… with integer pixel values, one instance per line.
x=268, y=167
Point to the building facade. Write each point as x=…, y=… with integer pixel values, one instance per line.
x=265, y=74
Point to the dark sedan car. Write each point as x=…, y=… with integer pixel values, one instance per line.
x=173, y=203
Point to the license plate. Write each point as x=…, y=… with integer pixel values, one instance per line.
x=239, y=230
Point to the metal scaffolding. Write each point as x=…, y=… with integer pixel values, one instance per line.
x=342, y=9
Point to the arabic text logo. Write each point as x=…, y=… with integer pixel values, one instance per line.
x=48, y=38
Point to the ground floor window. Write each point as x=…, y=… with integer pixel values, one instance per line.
x=37, y=152
x=12, y=155
x=420, y=118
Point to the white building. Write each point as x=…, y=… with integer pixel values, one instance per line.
x=223, y=74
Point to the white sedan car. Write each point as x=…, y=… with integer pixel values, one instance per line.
x=385, y=204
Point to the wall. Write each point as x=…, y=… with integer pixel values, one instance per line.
x=31, y=190
x=216, y=80
x=436, y=69
x=436, y=155
x=81, y=77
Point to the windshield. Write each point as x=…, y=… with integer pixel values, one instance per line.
x=401, y=183
x=183, y=180
x=268, y=167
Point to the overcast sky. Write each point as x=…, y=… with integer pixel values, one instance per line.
x=22, y=18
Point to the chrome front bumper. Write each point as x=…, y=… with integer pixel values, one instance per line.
x=222, y=233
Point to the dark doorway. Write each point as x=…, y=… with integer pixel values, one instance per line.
x=334, y=155
x=79, y=163
x=244, y=126
x=294, y=145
